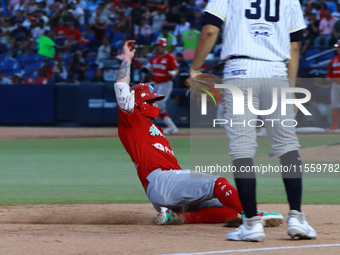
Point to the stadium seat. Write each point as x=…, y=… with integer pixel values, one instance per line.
x=327, y=56
x=116, y=38
x=311, y=52
x=90, y=74
x=155, y=36
x=90, y=58
x=108, y=31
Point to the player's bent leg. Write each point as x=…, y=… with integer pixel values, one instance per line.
x=210, y=215
x=227, y=194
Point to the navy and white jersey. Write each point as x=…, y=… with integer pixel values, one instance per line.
x=258, y=29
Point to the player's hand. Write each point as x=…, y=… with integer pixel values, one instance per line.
x=129, y=51
x=194, y=73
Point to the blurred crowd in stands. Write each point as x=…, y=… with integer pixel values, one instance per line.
x=74, y=41
x=78, y=41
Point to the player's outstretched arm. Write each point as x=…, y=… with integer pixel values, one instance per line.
x=125, y=99
x=123, y=74
x=205, y=43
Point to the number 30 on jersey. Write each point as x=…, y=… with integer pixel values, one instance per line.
x=254, y=12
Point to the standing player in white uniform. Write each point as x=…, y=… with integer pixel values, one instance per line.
x=164, y=67
x=260, y=40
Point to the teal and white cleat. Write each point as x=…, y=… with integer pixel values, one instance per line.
x=269, y=219
x=169, y=217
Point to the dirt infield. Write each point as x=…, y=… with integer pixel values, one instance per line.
x=106, y=229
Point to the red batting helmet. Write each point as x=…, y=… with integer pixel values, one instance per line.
x=144, y=93
x=161, y=41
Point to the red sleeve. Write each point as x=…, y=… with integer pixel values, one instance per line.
x=127, y=119
x=173, y=62
x=330, y=69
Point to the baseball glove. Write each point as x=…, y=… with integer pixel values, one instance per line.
x=204, y=83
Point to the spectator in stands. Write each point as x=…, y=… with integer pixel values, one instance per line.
x=91, y=6
x=123, y=23
x=170, y=39
x=336, y=14
x=19, y=32
x=39, y=30
x=325, y=30
x=336, y=30
x=19, y=15
x=60, y=32
x=30, y=7
x=40, y=14
x=158, y=20
x=104, y=51
x=190, y=38
x=181, y=28
x=27, y=43
x=78, y=66
x=202, y=3
x=30, y=20
x=99, y=76
x=4, y=80
x=59, y=72
x=98, y=25
x=69, y=18
x=46, y=45
x=71, y=79
x=172, y=18
x=19, y=6
x=74, y=37
x=6, y=30
x=142, y=32
x=108, y=10
x=46, y=70
x=81, y=4
x=311, y=32
x=198, y=20
x=16, y=79
x=55, y=14
x=78, y=12
x=183, y=71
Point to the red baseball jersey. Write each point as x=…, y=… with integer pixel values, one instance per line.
x=161, y=65
x=334, y=67
x=146, y=144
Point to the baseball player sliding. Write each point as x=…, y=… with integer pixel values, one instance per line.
x=259, y=39
x=163, y=67
x=171, y=190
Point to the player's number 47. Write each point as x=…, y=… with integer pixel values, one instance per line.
x=255, y=11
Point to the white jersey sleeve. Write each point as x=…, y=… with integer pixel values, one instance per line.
x=257, y=29
x=296, y=18
x=218, y=8
x=125, y=98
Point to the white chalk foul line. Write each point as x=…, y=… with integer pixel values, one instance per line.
x=259, y=249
